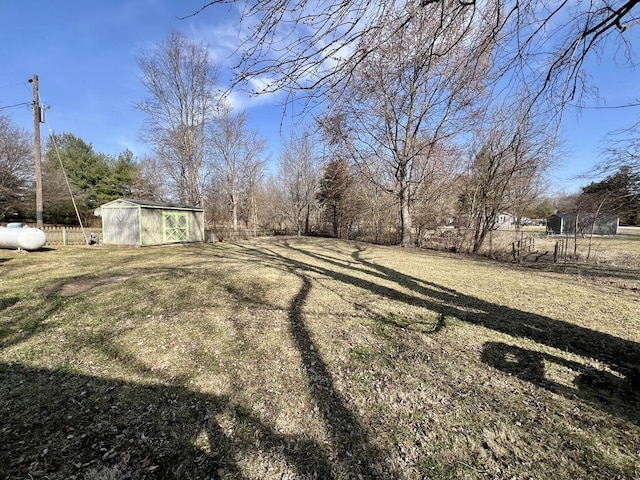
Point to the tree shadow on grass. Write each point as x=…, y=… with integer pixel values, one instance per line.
x=351, y=453
x=7, y=328
x=622, y=356
x=8, y=302
x=355, y=455
x=64, y=425
x=19, y=322
x=619, y=354
x=603, y=389
x=590, y=270
x=61, y=425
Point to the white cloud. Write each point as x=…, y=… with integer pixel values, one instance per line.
x=245, y=100
x=222, y=36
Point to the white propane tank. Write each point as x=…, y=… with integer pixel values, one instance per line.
x=26, y=238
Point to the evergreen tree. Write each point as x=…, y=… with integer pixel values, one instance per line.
x=618, y=193
x=333, y=194
x=95, y=178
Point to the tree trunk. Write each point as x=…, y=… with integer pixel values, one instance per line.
x=298, y=222
x=307, y=220
x=254, y=213
x=234, y=215
x=405, y=217
x=478, y=235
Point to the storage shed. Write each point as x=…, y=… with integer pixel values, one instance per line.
x=142, y=223
x=584, y=223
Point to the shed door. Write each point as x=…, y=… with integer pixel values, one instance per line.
x=175, y=227
x=120, y=226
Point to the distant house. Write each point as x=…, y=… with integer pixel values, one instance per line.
x=583, y=224
x=142, y=223
x=505, y=220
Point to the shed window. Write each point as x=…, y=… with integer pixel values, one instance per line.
x=175, y=227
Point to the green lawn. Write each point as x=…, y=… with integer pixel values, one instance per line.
x=313, y=358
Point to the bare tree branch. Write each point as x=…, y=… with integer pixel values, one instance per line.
x=307, y=49
x=181, y=80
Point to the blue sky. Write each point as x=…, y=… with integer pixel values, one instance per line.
x=84, y=53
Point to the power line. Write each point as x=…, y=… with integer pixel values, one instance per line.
x=13, y=84
x=602, y=107
x=15, y=105
x=24, y=84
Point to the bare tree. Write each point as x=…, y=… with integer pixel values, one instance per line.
x=237, y=152
x=273, y=205
x=252, y=178
x=375, y=203
x=180, y=78
x=299, y=173
x=413, y=93
x=515, y=152
x=16, y=171
x=153, y=182
x=216, y=206
x=436, y=197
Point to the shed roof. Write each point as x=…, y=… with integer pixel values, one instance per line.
x=601, y=215
x=151, y=204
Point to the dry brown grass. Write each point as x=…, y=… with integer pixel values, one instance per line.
x=312, y=358
x=593, y=256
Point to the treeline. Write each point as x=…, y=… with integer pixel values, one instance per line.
x=309, y=193
x=411, y=138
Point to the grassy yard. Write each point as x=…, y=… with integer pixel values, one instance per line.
x=313, y=358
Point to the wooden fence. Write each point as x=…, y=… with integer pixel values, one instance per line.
x=58, y=235
x=523, y=247
x=68, y=235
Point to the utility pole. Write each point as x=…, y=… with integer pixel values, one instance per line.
x=37, y=120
